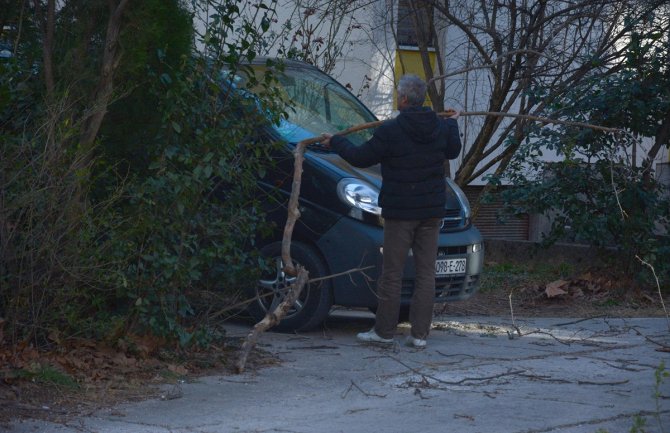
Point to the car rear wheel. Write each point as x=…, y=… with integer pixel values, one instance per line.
x=315, y=300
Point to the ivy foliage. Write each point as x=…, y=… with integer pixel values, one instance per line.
x=129, y=236
x=190, y=225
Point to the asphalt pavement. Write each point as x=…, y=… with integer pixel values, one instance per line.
x=476, y=375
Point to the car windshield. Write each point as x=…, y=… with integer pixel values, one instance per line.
x=316, y=104
x=319, y=104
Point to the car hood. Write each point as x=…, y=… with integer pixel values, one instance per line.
x=456, y=201
x=343, y=169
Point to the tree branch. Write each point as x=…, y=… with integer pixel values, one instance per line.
x=271, y=319
x=110, y=59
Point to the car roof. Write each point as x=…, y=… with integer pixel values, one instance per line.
x=292, y=63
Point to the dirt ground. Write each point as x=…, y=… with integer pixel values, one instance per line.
x=583, y=293
x=533, y=302
x=80, y=376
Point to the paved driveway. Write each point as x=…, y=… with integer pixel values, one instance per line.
x=477, y=375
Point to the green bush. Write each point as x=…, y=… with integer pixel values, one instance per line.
x=125, y=236
x=190, y=225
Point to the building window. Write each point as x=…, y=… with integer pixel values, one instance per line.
x=415, y=23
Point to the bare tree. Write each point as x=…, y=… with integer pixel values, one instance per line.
x=515, y=57
x=110, y=62
x=317, y=31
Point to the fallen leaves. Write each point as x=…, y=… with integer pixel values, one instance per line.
x=556, y=288
x=77, y=374
x=102, y=373
x=587, y=284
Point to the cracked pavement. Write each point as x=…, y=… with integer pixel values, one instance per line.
x=476, y=375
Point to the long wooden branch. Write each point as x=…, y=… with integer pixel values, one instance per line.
x=293, y=211
x=449, y=113
x=537, y=119
x=272, y=318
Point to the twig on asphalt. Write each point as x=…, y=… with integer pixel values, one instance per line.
x=574, y=322
x=367, y=394
x=449, y=355
x=596, y=421
x=658, y=286
x=468, y=417
x=457, y=382
x=578, y=382
x=544, y=378
x=619, y=367
x=511, y=309
x=537, y=331
x=662, y=345
x=588, y=382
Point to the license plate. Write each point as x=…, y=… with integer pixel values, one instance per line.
x=449, y=266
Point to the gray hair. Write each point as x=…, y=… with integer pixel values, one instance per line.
x=414, y=88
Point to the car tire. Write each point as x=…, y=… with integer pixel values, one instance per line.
x=315, y=300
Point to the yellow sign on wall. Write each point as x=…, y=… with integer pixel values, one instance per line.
x=408, y=61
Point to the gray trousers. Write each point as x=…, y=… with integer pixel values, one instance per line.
x=399, y=236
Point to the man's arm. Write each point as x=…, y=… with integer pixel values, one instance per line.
x=453, y=138
x=369, y=153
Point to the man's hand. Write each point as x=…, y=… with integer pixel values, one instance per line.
x=325, y=141
x=453, y=114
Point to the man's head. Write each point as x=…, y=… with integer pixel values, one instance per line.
x=411, y=91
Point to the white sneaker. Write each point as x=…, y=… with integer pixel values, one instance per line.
x=372, y=337
x=416, y=343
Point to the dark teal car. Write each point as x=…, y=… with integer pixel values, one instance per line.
x=340, y=227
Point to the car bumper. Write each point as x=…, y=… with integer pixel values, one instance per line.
x=350, y=245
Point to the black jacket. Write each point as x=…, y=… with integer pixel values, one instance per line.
x=412, y=149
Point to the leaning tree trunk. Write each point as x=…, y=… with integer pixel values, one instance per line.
x=110, y=62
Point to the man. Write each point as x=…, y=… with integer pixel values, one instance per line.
x=412, y=149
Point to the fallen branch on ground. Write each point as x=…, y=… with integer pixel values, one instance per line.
x=574, y=322
x=658, y=286
x=537, y=331
x=457, y=382
x=367, y=394
x=516, y=328
x=663, y=346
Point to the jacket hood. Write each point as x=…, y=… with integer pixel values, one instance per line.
x=420, y=123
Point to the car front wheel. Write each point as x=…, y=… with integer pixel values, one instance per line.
x=312, y=306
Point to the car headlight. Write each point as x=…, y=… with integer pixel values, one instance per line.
x=361, y=197
x=460, y=195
